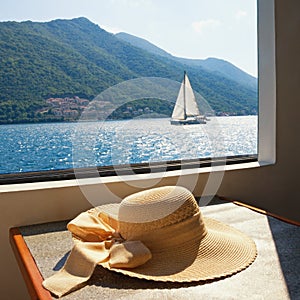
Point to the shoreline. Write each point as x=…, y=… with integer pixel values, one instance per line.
x=110, y=120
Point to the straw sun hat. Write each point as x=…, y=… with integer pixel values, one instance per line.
x=157, y=234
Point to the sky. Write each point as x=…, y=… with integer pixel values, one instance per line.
x=224, y=29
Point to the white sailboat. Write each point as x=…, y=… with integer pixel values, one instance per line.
x=186, y=110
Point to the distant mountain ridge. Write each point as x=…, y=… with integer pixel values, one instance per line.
x=143, y=44
x=77, y=58
x=219, y=66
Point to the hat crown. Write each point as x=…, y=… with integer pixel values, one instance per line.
x=155, y=208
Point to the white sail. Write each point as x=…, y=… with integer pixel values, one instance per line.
x=186, y=105
x=191, y=107
x=179, y=110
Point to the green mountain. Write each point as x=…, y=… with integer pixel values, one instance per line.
x=77, y=59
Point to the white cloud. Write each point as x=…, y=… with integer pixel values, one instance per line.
x=201, y=26
x=240, y=14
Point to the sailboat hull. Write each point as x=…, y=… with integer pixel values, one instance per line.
x=188, y=121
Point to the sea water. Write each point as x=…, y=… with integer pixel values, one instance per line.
x=57, y=146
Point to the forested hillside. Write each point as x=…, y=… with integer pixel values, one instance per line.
x=75, y=60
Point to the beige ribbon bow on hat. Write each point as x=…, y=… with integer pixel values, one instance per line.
x=96, y=241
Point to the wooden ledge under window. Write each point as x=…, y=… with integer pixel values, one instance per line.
x=28, y=267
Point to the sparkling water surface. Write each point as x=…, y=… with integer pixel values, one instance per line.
x=56, y=146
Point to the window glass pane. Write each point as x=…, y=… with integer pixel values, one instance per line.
x=131, y=82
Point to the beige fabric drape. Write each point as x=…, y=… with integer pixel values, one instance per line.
x=95, y=241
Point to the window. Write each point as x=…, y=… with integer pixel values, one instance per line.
x=57, y=66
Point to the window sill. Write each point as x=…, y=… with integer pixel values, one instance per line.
x=19, y=187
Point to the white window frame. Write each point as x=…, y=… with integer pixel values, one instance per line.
x=266, y=82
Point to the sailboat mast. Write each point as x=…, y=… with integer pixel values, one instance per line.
x=184, y=104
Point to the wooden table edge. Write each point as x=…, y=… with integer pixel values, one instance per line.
x=30, y=272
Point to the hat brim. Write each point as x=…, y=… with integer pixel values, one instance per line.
x=222, y=252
